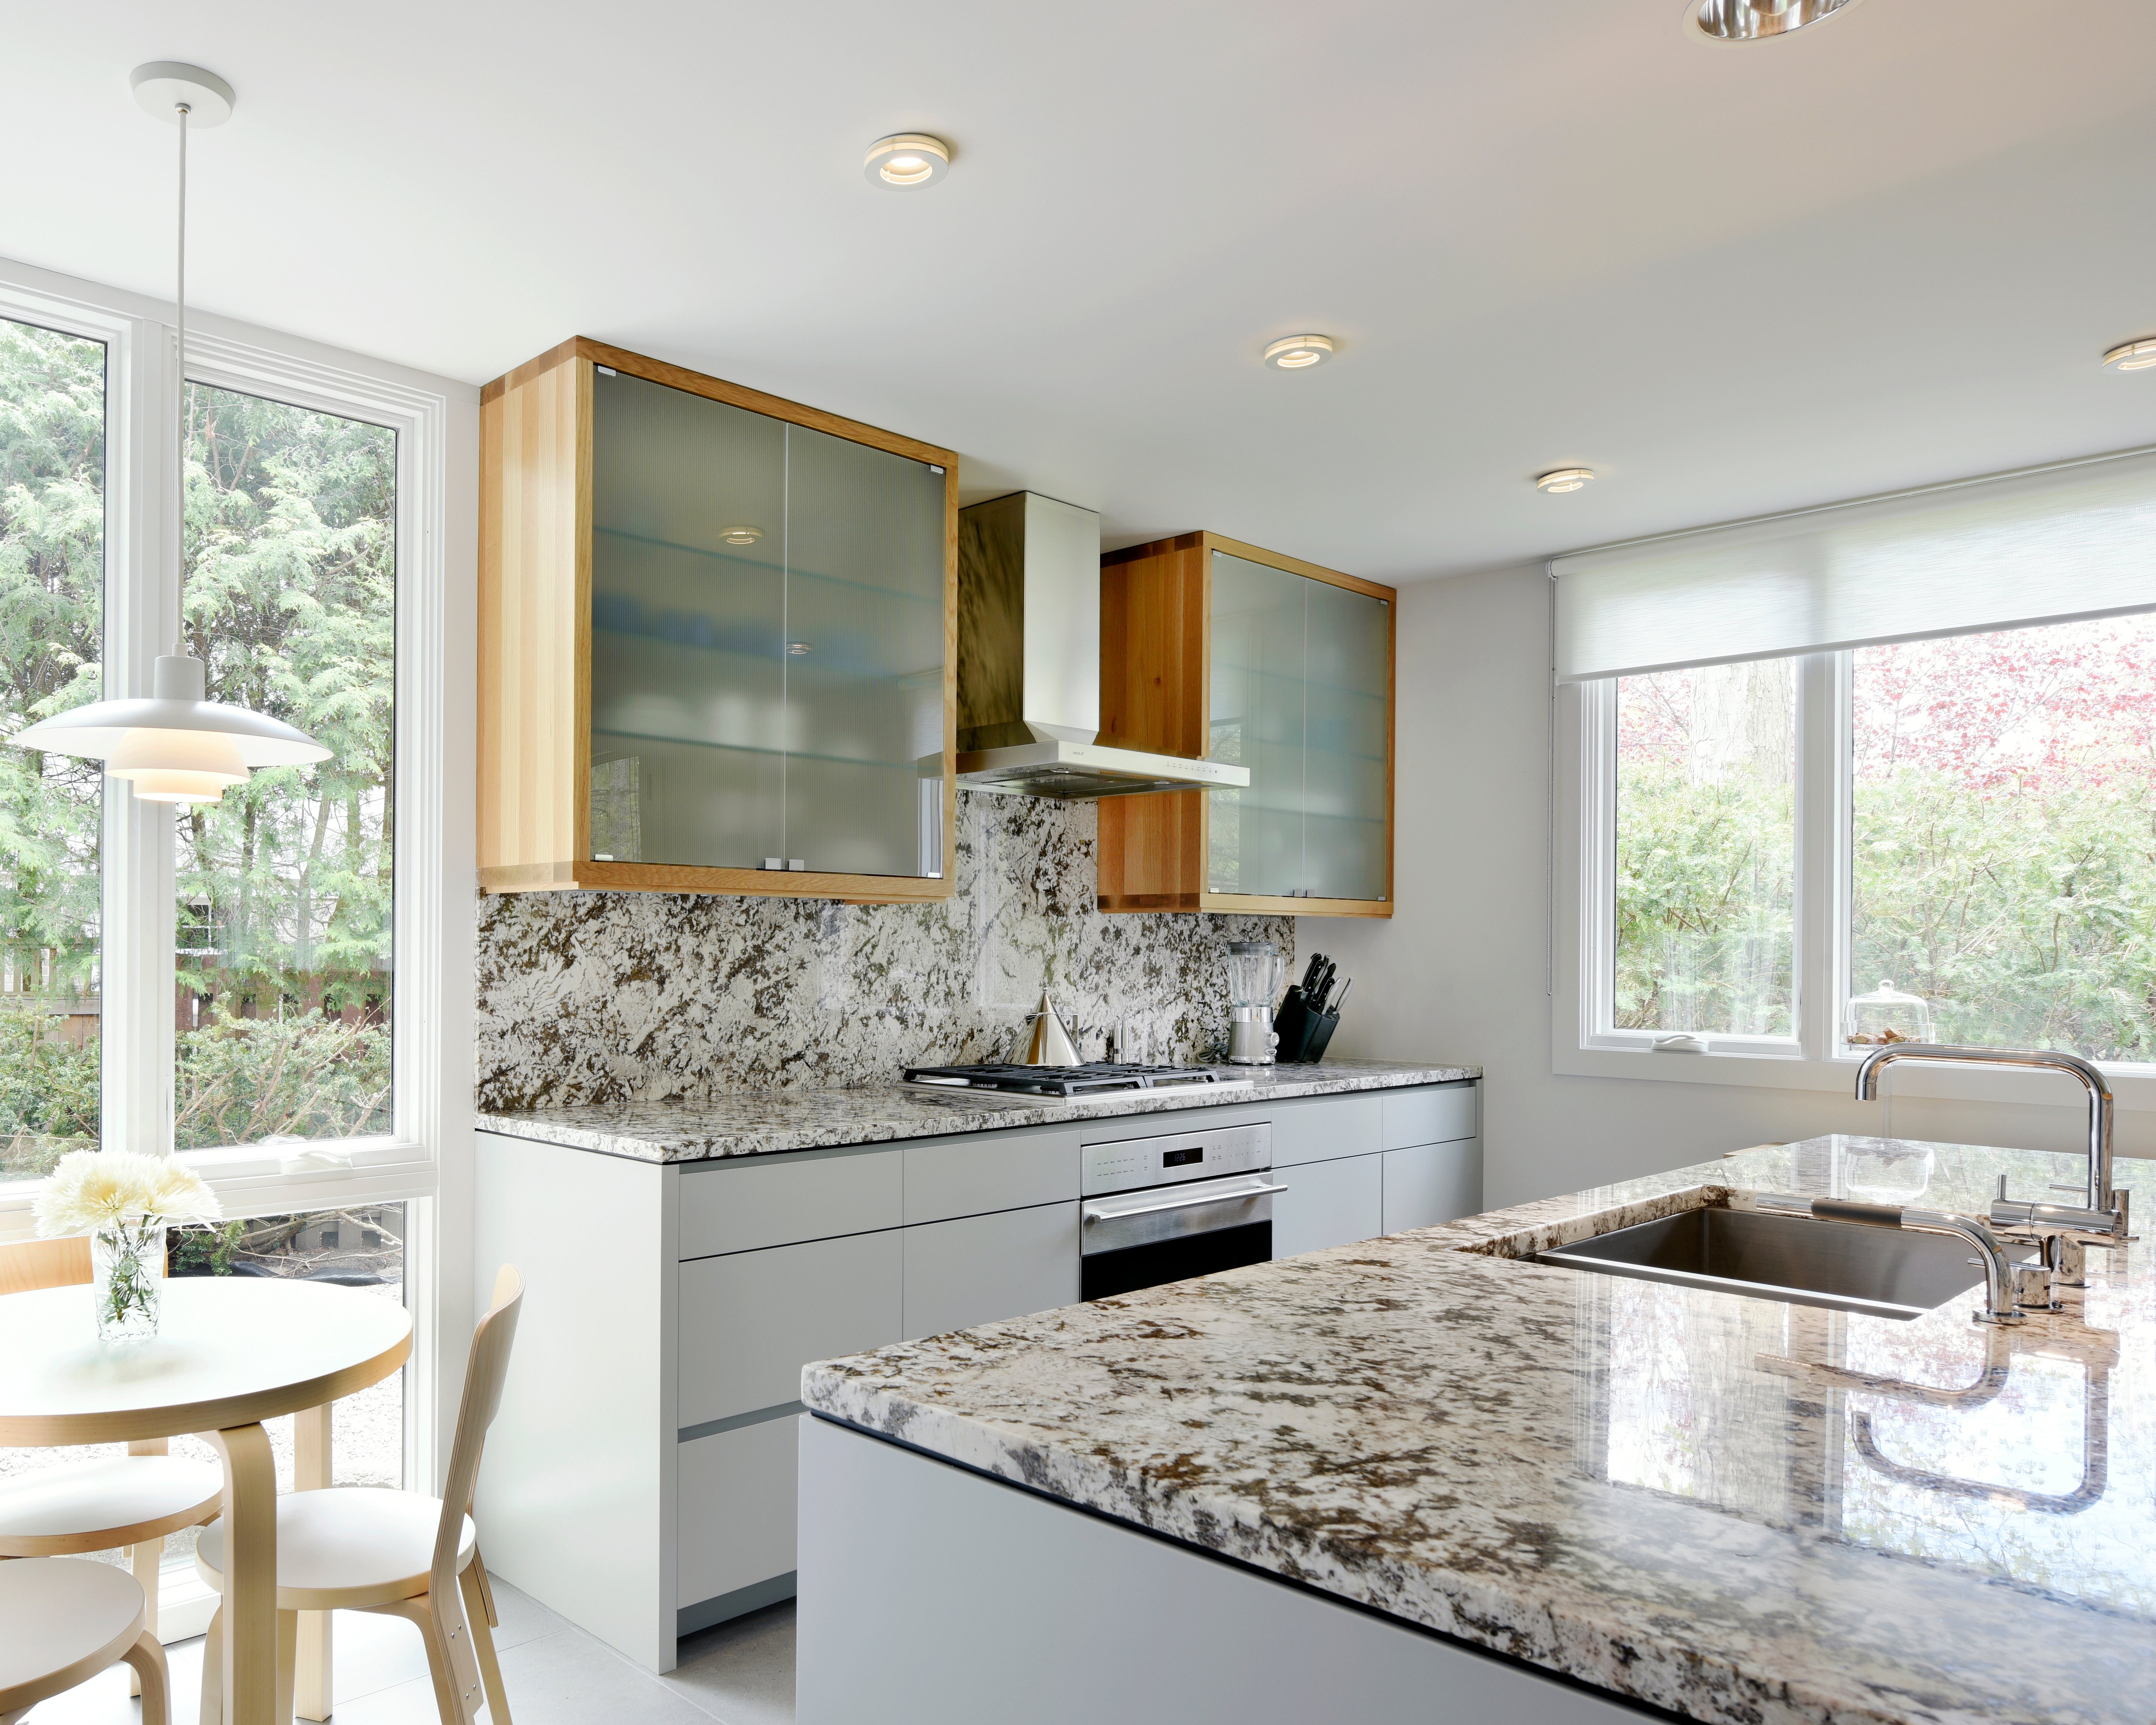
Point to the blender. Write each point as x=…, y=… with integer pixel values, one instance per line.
x=1254, y=975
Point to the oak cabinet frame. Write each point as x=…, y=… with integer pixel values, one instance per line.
x=1156, y=694
x=535, y=629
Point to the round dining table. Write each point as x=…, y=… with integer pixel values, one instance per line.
x=230, y=1353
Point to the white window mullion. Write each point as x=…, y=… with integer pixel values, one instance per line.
x=1822, y=849
x=141, y=601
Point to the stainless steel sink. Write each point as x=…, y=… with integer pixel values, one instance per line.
x=1806, y=1262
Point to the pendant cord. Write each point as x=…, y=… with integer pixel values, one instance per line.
x=180, y=411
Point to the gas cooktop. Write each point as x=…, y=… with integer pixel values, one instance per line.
x=1094, y=1078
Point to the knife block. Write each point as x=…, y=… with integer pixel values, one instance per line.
x=1303, y=1033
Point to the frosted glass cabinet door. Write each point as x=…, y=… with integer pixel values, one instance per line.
x=1346, y=696
x=688, y=620
x=864, y=658
x=1258, y=627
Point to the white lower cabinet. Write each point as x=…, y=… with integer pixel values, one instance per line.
x=1328, y=1203
x=979, y=1269
x=734, y=1509
x=658, y=1399
x=751, y=1320
x=1432, y=1183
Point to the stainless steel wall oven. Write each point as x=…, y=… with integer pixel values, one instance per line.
x=1164, y=1208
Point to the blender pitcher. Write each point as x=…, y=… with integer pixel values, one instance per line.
x=1254, y=976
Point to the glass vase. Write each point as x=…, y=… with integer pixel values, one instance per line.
x=127, y=1277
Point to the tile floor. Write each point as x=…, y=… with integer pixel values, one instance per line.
x=740, y=1673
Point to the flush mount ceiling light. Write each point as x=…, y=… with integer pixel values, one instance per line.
x=743, y=535
x=907, y=159
x=177, y=746
x=1291, y=353
x=1756, y=20
x=1563, y=479
x=2132, y=355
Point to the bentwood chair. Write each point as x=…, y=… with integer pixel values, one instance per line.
x=367, y=1548
x=62, y=1621
x=108, y=1502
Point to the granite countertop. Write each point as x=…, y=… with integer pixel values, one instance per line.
x=757, y=1122
x=1735, y=1509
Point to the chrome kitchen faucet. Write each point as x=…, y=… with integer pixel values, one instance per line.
x=2062, y=1231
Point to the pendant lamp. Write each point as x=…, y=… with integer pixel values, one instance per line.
x=177, y=746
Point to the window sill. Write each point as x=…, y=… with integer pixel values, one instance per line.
x=2133, y=1087
x=259, y=1180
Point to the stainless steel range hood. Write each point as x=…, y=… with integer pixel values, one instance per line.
x=1029, y=661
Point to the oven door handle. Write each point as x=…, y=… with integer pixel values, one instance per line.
x=1182, y=1203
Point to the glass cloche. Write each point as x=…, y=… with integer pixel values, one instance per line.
x=1886, y=1015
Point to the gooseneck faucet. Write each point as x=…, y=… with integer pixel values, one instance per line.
x=2063, y=1230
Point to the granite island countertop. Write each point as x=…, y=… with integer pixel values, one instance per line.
x=1736, y=1509
x=758, y=1122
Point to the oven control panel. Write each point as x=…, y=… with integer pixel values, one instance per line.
x=1168, y=1159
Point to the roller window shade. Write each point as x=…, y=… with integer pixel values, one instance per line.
x=2042, y=546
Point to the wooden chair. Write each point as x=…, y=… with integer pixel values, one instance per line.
x=365, y=1548
x=62, y=1621
x=108, y=1502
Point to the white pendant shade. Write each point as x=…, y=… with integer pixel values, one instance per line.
x=176, y=746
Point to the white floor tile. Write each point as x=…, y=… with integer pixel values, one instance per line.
x=740, y=1673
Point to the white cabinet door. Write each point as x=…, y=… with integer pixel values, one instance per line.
x=734, y=1509
x=751, y=1321
x=738, y=1204
x=1326, y=1128
x=979, y=1269
x=1432, y=1183
x=1432, y=1114
x=1327, y=1203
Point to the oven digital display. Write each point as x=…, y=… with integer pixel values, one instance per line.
x=1182, y=1158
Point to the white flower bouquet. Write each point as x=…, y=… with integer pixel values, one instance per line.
x=123, y=1200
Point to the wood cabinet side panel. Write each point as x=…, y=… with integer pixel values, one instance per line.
x=535, y=578
x=1154, y=664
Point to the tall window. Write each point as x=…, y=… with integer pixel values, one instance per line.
x=52, y=613
x=2004, y=833
x=284, y=888
x=1706, y=850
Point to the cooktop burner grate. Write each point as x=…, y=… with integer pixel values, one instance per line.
x=1094, y=1078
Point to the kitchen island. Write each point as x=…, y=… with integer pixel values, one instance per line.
x=1422, y=1477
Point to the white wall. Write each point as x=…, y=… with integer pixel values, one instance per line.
x=1460, y=972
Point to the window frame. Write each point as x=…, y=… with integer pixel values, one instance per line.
x=1583, y=1044
x=139, y=1053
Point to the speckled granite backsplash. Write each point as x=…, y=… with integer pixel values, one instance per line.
x=597, y=997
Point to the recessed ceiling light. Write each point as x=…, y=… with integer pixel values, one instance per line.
x=2133, y=356
x=1291, y=353
x=1756, y=20
x=1563, y=479
x=742, y=535
x=906, y=159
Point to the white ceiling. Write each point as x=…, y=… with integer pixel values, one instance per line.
x=1731, y=278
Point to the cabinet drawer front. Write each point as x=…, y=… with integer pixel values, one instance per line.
x=979, y=1269
x=1432, y=1183
x=1329, y=1203
x=766, y=1201
x=968, y=1177
x=734, y=1513
x=1435, y=1115
x=750, y=1321
x=1326, y=1128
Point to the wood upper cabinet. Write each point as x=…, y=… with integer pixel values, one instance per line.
x=717, y=639
x=1210, y=647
